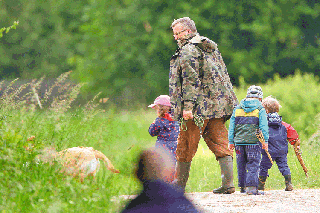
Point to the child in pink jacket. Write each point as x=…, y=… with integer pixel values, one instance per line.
x=164, y=127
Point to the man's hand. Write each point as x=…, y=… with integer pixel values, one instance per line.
x=187, y=115
x=231, y=147
x=265, y=146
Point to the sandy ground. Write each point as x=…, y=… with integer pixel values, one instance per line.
x=299, y=200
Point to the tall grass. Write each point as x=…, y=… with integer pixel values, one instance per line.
x=28, y=186
x=38, y=187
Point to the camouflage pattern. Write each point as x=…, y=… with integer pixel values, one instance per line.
x=199, y=80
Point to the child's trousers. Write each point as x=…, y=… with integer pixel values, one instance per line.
x=281, y=161
x=248, y=161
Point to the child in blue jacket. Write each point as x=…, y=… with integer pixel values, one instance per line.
x=280, y=133
x=246, y=118
x=164, y=127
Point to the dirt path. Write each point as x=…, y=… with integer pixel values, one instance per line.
x=297, y=201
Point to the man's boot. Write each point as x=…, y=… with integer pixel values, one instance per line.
x=242, y=190
x=289, y=186
x=182, y=174
x=262, y=182
x=226, y=166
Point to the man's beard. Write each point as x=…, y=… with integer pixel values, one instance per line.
x=181, y=41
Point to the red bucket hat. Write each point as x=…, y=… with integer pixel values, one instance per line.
x=163, y=100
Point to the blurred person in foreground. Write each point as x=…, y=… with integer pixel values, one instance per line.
x=202, y=99
x=154, y=167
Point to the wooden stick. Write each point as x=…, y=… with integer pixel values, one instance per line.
x=262, y=141
x=299, y=156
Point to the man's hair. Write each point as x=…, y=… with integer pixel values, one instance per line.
x=186, y=22
x=271, y=104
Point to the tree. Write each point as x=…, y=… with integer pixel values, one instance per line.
x=123, y=47
x=47, y=37
x=7, y=29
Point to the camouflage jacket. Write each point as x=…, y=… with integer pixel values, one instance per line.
x=199, y=80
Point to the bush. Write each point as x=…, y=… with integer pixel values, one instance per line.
x=298, y=96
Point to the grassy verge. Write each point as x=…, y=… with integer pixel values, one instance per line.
x=40, y=188
x=120, y=135
x=205, y=171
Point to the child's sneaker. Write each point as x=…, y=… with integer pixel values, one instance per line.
x=252, y=190
x=262, y=182
x=287, y=180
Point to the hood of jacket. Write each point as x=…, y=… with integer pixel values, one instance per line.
x=249, y=104
x=203, y=42
x=274, y=119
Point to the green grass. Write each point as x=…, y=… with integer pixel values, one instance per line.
x=120, y=136
x=38, y=187
x=205, y=170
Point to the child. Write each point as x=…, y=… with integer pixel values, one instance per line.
x=164, y=126
x=245, y=120
x=279, y=132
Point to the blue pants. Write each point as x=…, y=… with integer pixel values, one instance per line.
x=281, y=161
x=248, y=162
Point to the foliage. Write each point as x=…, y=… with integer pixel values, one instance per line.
x=29, y=186
x=253, y=43
x=123, y=48
x=298, y=96
x=28, y=96
x=120, y=136
x=7, y=29
x=47, y=36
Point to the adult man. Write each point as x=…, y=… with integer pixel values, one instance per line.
x=199, y=85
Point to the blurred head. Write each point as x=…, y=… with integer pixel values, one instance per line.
x=271, y=104
x=155, y=164
x=183, y=27
x=254, y=92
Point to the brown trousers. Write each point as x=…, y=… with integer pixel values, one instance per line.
x=214, y=133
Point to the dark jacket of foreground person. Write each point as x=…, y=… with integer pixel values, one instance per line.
x=158, y=196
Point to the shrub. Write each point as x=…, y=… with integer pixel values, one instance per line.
x=298, y=96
